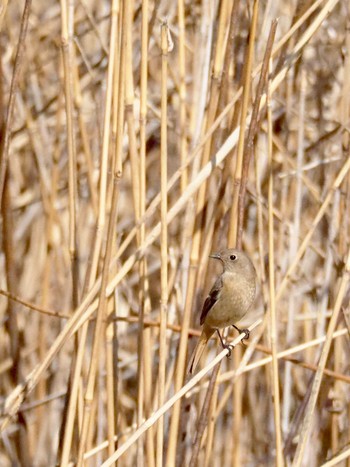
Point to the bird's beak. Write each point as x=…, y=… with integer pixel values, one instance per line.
x=215, y=256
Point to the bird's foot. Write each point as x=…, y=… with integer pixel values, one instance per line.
x=245, y=331
x=229, y=347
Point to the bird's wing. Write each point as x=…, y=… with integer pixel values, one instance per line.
x=211, y=299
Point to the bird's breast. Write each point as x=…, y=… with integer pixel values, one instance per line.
x=235, y=299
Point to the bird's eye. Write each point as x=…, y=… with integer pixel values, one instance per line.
x=233, y=257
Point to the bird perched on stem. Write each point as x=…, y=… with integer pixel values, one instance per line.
x=228, y=301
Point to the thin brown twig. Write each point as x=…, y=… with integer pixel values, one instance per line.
x=13, y=89
x=253, y=128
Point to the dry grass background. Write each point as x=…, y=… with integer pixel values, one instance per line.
x=126, y=158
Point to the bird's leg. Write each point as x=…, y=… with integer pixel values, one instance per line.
x=225, y=346
x=246, y=331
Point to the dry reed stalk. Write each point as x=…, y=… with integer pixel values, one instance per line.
x=16, y=376
x=71, y=82
x=234, y=238
x=295, y=234
x=67, y=18
x=7, y=124
x=144, y=333
x=272, y=305
x=183, y=151
x=129, y=113
x=165, y=46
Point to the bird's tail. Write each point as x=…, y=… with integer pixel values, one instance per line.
x=199, y=349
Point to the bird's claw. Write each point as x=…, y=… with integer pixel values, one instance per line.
x=245, y=331
x=229, y=347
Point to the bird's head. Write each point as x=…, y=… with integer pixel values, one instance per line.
x=234, y=260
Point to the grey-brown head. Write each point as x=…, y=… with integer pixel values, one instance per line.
x=236, y=261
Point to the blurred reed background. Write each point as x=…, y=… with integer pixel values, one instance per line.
x=135, y=141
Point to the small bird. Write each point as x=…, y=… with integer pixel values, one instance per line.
x=230, y=298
